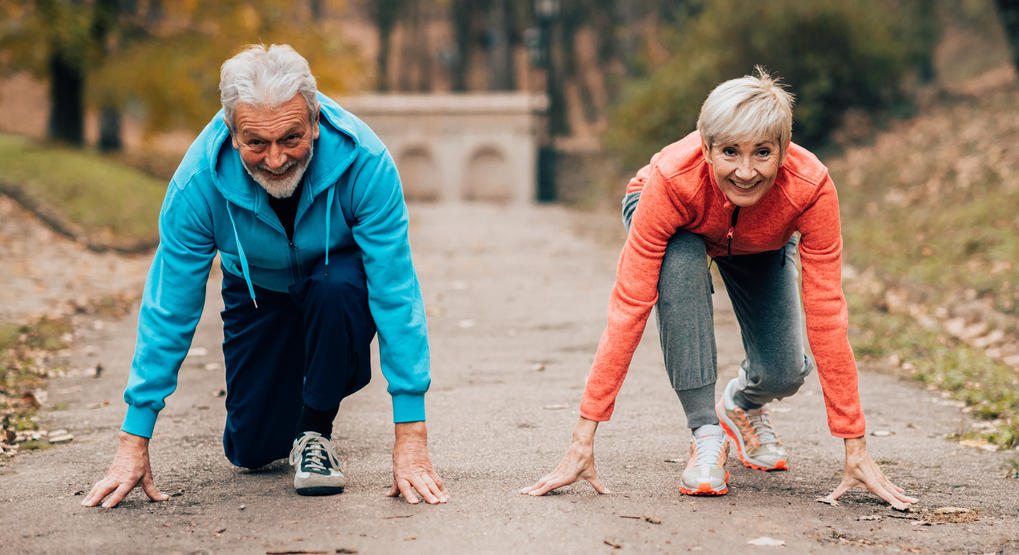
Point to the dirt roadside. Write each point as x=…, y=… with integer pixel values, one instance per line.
x=516, y=302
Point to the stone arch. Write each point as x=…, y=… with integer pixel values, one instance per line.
x=419, y=174
x=489, y=175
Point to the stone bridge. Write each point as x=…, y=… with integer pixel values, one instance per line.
x=451, y=148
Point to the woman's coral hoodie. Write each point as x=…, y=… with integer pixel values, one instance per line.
x=679, y=191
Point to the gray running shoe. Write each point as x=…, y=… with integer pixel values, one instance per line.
x=705, y=472
x=316, y=464
x=756, y=441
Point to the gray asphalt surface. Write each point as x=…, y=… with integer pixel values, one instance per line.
x=516, y=302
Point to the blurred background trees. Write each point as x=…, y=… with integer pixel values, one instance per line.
x=630, y=71
x=158, y=59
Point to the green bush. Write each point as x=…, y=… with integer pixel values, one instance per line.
x=834, y=56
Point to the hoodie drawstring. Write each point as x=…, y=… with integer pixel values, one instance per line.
x=244, y=259
x=329, y=204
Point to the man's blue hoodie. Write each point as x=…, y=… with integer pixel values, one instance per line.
x=351, y=198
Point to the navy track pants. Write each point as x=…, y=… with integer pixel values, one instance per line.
x=307, y=345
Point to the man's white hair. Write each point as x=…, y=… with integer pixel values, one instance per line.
x=746, y=109
x=266, y=77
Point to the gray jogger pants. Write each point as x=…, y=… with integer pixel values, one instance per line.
x=764, y=289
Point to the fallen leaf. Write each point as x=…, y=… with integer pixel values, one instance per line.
x=978, y=444
x=30, y=398
x=870, y=517
x=673, y=460
x=99, y=370
x=652, y=519
x=952, y=510
x=828, y=500
x=60, y=438
x=765, y=541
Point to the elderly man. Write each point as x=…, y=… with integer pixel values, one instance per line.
x=315, y=260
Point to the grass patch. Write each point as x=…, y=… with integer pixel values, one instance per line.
x=989, y=388
x=929, y=210
x=99, y=197
x=23, y=349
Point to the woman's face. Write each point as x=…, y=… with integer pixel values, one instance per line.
x=744, y=171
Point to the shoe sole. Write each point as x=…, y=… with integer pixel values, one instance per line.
x=705, y=488
x=729, y=426
x=315, y=491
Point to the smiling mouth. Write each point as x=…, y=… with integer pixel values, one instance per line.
x=744, y=187
x=283, y=172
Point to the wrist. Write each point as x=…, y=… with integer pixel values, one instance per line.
x=410, y=430
x=855, y=444
x=134, y=442
x=584, y=431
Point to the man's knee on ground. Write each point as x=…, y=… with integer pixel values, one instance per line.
x=252, y=455
x=249, y=460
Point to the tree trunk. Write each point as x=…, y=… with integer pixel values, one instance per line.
x=382, y=62
x=67, y=101
x=104, y=24
x=1008, y=11
x=109, y=129
x=500, y=53
x=385, y=14
x=463, y=20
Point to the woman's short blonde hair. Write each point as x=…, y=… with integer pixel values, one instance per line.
x=748, y=108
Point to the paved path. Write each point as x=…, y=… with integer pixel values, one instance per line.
x=516, y=301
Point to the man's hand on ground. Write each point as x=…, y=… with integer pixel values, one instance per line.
x=412, y=468
x=862, y=471
x=130, y=466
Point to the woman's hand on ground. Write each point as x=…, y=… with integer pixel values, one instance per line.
x=862, y=471
x=578, y=464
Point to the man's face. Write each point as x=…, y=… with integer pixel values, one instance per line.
x=745, y=171
x=275, y=144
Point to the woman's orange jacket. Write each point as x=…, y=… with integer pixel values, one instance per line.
x=679, y=192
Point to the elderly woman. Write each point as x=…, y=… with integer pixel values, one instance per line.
x=737, y=190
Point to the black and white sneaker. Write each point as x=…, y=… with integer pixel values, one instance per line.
x=316, y=464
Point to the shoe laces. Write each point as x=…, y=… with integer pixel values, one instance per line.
x=708, y=447
x=314, y=451
x=760, y=421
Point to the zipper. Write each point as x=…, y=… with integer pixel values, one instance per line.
x=732, y=229
x=295, y=268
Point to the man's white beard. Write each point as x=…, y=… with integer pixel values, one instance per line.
x=280, y=188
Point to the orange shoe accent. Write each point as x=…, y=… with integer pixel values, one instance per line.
x=706, y=489
x=779, y=465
